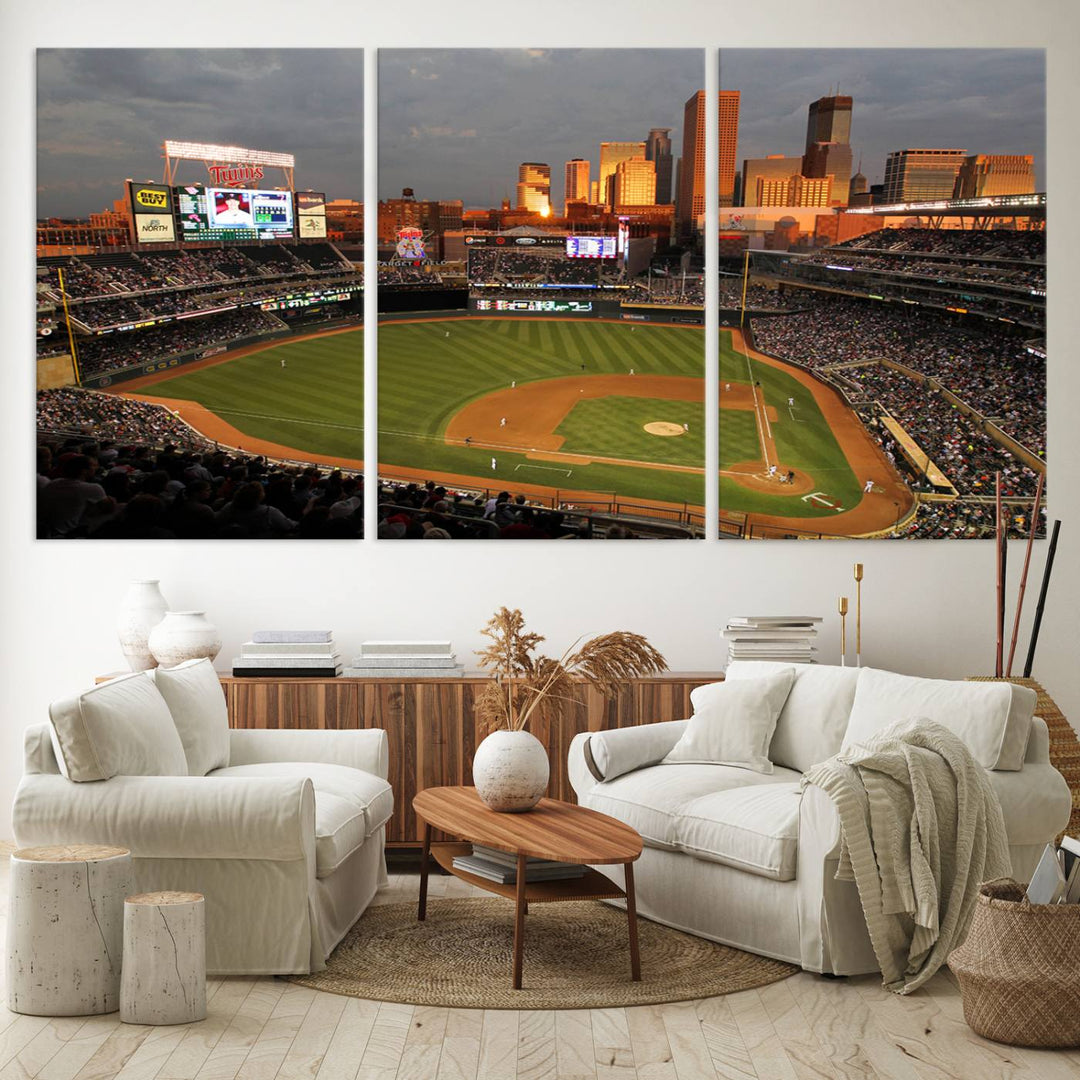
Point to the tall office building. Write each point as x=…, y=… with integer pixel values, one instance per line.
x=796, y=190
x=534, y=187
x=635, y=183
x=921, y=175
x=995, y=174
x=658, y=151
x=691, y=200
x=773, y=167
x=611, y=153
x=828, y=144
x=576, y=188
x=729, y=142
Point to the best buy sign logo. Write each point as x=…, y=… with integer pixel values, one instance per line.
x=148, y=197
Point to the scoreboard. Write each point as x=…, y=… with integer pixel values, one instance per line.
x=234, y=214
x=534, y=305
x=591, y=247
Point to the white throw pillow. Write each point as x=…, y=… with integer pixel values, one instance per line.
x=733, y=722
x=193, y=693
x=993, y=720
x=812, y=722
x=121, y=728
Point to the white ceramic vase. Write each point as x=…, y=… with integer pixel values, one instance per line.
x=143, y=607
x=184, y=635
x=510, y=771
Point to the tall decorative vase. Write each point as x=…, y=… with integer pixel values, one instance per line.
x=184, y=635
x=143, y=607
x=510, y=771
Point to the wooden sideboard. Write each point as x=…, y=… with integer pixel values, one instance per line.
x=431, y=725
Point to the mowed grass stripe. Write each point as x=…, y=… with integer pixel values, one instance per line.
x=803, y=438
x=315, y=403
x=424, y=379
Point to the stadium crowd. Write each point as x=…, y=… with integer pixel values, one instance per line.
x=951, y=439
x=116, y=351
x=430, y=511
x=1028, y=244
x=1026, y=276
x=108, y=467
x=990, y=371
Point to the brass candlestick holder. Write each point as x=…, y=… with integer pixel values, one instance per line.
x=858, y=614
x=841, y=606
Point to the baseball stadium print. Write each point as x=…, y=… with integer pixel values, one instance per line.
x=199, y=339
x=541, y=296
x=882, y=263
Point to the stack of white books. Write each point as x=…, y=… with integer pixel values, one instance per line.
x=1057, y=877
x=289, y=653
x=786, y=639
x=405, y=660
x=501, y=866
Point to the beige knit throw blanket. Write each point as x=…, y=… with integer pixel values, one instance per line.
x=921, y=829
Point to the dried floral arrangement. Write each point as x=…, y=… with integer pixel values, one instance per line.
x=525, y=681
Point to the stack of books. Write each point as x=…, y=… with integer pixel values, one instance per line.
x=786, y=639
x=291, y=653
x=405, y=660
x=1057, y=877
x=501, y=866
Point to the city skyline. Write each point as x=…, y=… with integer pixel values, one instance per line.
x=103, y=114
x=988, y=101
x=458, y=123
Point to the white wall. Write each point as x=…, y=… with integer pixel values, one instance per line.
x=928, y=605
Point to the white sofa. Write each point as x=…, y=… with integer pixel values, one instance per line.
x=282, y=831
x=745, y=858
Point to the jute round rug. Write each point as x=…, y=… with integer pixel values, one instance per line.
x=576, y=957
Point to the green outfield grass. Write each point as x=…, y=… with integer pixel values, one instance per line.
x=804, y=440
x=425, y=378
x=615, y=427
x=315, y=403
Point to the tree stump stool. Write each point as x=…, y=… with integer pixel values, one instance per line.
x=164, y=980
x=65, y=929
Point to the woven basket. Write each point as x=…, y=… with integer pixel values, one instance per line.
x=1019, y=969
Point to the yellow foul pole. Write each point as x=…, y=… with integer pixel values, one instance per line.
x=745, y=279
x=67, y=322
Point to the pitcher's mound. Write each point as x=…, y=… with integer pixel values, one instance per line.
x=662, y=427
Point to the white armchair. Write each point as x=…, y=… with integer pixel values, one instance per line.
x=286, y=841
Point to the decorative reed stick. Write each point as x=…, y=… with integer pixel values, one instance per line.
x=841, y=606
x=1047, y=570
x=1000, y=574
x=858, y=614
x=1024, y=573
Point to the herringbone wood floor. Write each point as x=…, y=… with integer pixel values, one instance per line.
x=805, y=1028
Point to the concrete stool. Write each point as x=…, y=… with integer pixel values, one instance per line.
x=164, y=980
x=65, y=929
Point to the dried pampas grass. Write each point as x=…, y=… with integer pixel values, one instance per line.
x=524, y=682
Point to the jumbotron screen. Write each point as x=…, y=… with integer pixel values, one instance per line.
x=590, y=247
x=234, y=213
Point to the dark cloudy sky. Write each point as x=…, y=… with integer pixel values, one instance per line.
x=104, y=113
x=986, y=101
x=455, y=124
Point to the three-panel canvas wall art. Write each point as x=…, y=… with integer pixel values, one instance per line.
x=547, y=272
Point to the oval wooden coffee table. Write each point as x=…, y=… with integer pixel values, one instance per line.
x=553, y=830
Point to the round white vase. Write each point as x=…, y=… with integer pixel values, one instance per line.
x=510, y=771
x=142, y=608
x=184, y=635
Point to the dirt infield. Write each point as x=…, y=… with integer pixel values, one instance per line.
x=875, y=512
x=534, y=410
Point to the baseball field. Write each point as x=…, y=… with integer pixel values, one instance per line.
x=569, y=405
x=544, y=405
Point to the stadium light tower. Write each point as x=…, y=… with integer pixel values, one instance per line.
x=228, y=165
